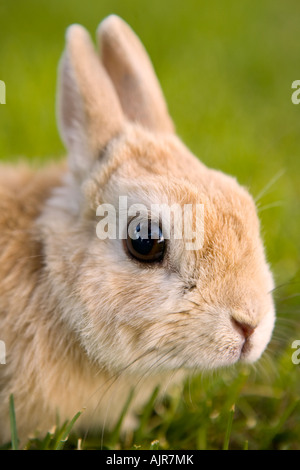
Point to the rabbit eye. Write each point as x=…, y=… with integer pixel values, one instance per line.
x=145, y=241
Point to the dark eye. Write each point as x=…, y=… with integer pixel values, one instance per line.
x=145, y=241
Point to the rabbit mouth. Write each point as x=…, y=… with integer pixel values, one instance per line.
x=253, y=346
x=246, y=348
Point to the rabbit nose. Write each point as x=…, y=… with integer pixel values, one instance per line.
x=245, y=328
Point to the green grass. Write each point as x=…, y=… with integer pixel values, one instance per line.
x=226, y=69
x=13, y=424
x=241, y=409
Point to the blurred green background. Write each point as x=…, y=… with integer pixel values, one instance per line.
x=226, y=69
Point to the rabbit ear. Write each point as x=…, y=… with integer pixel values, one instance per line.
x=89, y=112
x=132, y=73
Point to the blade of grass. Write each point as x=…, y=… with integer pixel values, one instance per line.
x=201, y=438
x=67, y=431
x=114, y=437
x=282, y=421
x=146, y=415
x=154, y=445
x=58, y=435
x=13, y=424
x=229, y=427
x=46, y=441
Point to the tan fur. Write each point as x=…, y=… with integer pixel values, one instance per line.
x=133, y=76
x=83, y=323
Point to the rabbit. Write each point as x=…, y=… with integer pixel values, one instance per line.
x=85, y=320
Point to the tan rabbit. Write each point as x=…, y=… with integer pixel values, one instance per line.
x=86, y=319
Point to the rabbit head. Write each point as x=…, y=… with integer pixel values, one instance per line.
x=137, y=303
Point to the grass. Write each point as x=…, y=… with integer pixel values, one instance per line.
x=226, y=70
x=13, y=424
x=233, y=410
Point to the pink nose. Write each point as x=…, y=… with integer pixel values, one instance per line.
x=246, y=329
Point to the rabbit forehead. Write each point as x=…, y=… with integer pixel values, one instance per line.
x=160, y=167
x=138, y=152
